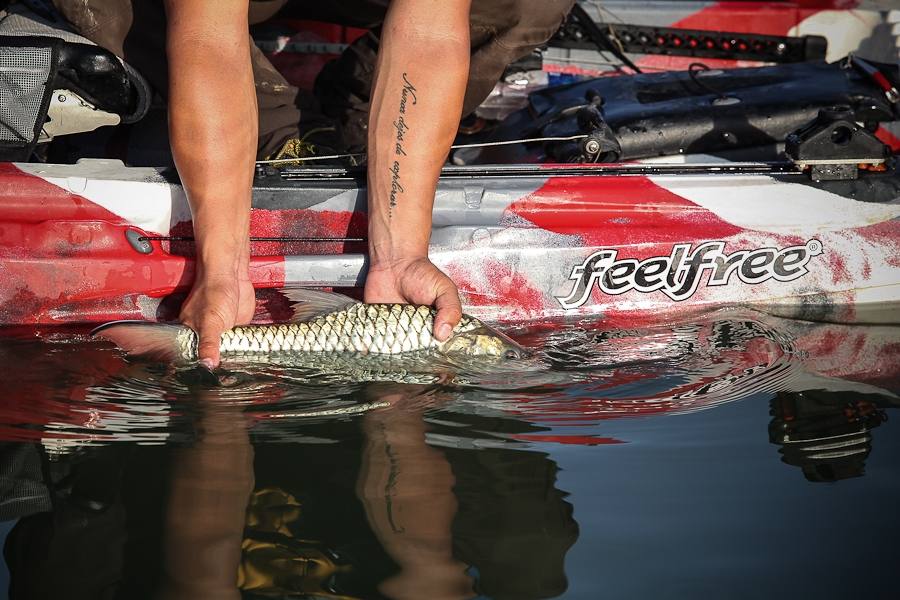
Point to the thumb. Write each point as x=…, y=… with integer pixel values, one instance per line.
x=209, y=338
x=449, y=310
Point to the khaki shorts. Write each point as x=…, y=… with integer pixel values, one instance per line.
x=502, y=31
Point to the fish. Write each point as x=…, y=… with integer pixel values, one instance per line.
x=324, y=324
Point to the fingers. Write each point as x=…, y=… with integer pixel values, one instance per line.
x=418, y=282
x=449, y=309
x=209, y=334
x=209, y=327
x=247, y=303
x=213, y=307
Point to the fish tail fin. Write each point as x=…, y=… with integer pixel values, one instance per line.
x=154, y=341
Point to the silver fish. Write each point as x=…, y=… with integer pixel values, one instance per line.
x=324, y=323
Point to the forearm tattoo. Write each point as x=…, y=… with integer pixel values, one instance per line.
x=401, y=128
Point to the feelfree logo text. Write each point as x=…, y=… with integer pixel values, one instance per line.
x=679, y=274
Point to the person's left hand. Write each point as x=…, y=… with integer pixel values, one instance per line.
x=417, y=281
x=215, y=305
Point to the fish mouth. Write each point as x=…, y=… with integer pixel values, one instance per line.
x=512, y=350
x=513, y=344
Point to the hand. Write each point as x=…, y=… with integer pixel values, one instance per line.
x=215, y=305
x=417, y=281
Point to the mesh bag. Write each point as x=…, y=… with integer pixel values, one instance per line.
x=27, y=69
x=39, y=54
x=36, y=18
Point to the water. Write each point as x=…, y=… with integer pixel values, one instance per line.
x=738, y=455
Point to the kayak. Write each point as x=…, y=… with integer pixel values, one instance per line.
x=626, y=242
x=98, y=241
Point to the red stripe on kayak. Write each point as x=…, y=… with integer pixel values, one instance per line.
x=888, y=138
x=619, y=211
x=763, y=18
x=308, y=223
x=66, y=258
x=27, y=198
x=579, y=440
x=504, y=286
x=293, y=223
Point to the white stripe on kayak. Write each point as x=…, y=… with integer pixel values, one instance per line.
x=845, y=31
x=764, y=204
x=338, y=270
x=143, y=198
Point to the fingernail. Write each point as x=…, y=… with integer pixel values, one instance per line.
x=208, y=363
x=444, y=332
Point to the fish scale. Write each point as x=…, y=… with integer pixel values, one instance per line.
x=364, y=328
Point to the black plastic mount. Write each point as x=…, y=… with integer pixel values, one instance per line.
x=673, y=41
x=833, y=146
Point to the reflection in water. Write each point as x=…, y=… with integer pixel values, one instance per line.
x=211, y=481
x=513, y=525
x=133, y=480
x=826, y=434
x=81, y=391
x=79, y=548
x=398, y=470
x=195, y=521
x=273, y=561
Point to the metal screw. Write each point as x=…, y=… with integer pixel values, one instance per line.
x=591, y=146
x=61, y=97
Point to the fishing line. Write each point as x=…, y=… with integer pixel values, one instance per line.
x=569, y=138
x=600, y=63
x=278, y=161
x=524, y=140
x=595, y=34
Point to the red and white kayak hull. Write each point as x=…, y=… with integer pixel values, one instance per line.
x=522, y=243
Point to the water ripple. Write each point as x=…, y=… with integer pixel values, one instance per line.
x=68, y=389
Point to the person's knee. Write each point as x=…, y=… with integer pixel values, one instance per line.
x=530, y=23
x=504, y=31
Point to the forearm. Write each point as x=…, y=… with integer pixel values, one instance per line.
x=417, y=99
x=213, y=127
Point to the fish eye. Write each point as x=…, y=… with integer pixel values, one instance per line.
x=511, y=354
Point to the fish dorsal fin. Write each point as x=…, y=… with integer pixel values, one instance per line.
x=309, y=304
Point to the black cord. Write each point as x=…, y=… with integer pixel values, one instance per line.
x=185, y=238
x=693, y=71
x=600, y=40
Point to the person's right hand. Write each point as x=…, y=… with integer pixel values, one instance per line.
x=416, y=281
x=215, y=305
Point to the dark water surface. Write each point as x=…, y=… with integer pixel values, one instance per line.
x=736, y=456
